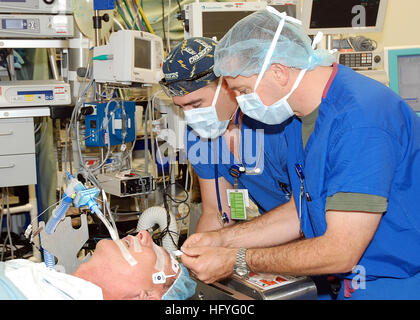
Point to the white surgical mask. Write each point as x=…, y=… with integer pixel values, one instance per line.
x=251, y=103
x=204, y=121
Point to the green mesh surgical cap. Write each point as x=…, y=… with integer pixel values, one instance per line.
x=243, y=49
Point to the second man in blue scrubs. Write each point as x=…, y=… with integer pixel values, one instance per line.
x=242, y=153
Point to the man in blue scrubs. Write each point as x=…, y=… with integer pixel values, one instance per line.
x=221, y=140
x=353, y=161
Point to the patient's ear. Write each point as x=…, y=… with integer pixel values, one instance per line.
x=140, y=295
x=155, y=294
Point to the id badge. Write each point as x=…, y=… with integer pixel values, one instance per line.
x=238, y=201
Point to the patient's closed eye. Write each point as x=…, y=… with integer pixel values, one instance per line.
x=133, y=242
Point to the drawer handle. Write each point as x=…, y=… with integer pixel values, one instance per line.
x=7, y=134
x=12, y=165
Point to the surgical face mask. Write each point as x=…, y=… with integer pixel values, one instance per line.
x=280, y=111
x=204, y=121
x=182, y=288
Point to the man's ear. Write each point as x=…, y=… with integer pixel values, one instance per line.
x=281, y=73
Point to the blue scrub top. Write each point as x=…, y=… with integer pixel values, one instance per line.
x=268, y=189
x=366, y=140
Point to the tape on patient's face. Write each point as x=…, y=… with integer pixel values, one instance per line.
x=160, y=257
x=125, y=253
x=160, y=276
x=136, y=243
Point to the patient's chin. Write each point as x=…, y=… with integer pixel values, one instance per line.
x=103, y=245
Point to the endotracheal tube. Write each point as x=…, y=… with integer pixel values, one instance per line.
x=80, y=196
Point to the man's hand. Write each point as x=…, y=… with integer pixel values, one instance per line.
x=205, y=239
x=209, y=220
x=209, y=264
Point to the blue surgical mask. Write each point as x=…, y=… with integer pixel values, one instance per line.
x=182, y=288
x=278, y=112
x=204, y=121
x=251, y=103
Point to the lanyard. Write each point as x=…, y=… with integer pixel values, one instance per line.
x=299, y=171
x=222, y=216
x=236, y=171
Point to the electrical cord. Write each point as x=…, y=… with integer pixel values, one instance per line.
x=131, y=15
x=4, y=62
x=362, y=43
x=2, y=211
x=179, y=6
x=43, y=134
x=122, y=15
x=178, y=201
x=138, y=14
x=166, y=195
x=169, y=27
x=79, y=102
x=8, y=225
x=163, y=25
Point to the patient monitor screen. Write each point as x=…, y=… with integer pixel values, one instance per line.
x=338, y=13
x=409, y=80
x=142, y=54
x=217, y=23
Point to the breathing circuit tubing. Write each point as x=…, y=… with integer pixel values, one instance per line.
x=77, y=192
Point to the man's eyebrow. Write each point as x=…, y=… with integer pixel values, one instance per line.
x=192, y=102
x=236, y=87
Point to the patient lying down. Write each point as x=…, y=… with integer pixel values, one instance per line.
x=132, y=269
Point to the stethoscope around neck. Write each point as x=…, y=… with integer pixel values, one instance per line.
x=256, y=170
x=235, y=171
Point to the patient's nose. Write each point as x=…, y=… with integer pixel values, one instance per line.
x=144, y=237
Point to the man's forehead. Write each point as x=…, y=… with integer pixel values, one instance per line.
x=195, y=96
x=184, y=100
x=239, y=81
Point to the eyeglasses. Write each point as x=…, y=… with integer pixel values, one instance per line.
x=184, y=86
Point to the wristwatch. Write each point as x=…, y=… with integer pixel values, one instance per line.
x=241, y=268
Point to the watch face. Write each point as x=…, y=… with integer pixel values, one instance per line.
x=241, y=271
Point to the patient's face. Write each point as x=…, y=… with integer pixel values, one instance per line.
x=126, y=281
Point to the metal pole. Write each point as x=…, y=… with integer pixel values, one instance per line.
x=97, y=26
x=53, y=63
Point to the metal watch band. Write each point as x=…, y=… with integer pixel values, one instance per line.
x=241, y=267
